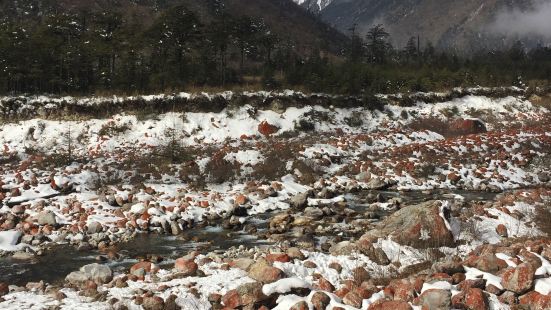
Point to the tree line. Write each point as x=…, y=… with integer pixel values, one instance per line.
x=86, y=53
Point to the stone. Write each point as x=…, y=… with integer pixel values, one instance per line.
x=486, y=262
x=242, y=263
x=186, y=267
x=46, y=218
x=261, y=271
x=471, y=299
x=320, y=300
x=435, y=299
x=244, y=295
x=419, y=226
x=301, y=305
x=94, y=228
x=467, y=127
x=153, y=303
x=300, y=201
x=389, y=305
x=501, y=230
x=343, y=248
x=295, y=253
x=536, y=301
x=360, y=275
x=4, y=289
x=353, y=299
x=278, y=257
x=97, y=273
x=519, y=279
x=267, y=129
x=449, y=267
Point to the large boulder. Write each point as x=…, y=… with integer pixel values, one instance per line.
x=435, y=299
x=420, y=226
x=100, y=274
x=518, y=280
x=244, y=295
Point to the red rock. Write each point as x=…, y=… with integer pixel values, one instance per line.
x=519, y=279
x=467, y=127
x=342, y=292
x=486, y=262
x=186, y=266
x=454, y=177
x=501, y=230
x=536, y=301
x=278, y=257
x=244, y=295
x=389, y=305
x=353, y=299
x=267, y=129
x=241, y=200
x=146, y=266
x=325, y=285
x=471, y=299
x=403, y=291
x=4, y=289
x=301, y=305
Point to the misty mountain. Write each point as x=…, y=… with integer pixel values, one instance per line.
x=466, y=25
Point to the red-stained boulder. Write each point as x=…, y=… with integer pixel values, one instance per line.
x=389, y=305
x=518, y=280
x=187, y=267
x=536, y=301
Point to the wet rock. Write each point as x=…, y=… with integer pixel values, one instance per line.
x=263, y=272
x=419, y=226
x=320, y=300
x=46, y=218
x=518, y=280
x=245, y=295
x=97, y=273
x=435, y=299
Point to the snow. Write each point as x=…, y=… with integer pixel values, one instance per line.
x=283, y=286
x=9, y=240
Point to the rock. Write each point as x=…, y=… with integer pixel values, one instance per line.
x=508, y=298
x=467, y=127
x=419, y=226
x=536, y=301
x=336, y=266
x=544, y=177
x=153, y=303
x=376, y=183
x=242, y=263
x=301, y=305
x=471, y=299
x=146, y=266
x=4, y=289
x=501, y=230
x=518, y=280
x=261, y=271
x=486, y=262
x=267, y=129
x=389, y=305
x=245, y=295
x=343, y=248
x=46, y=218
x=278, y=257
x=325, y=285
x=353, y=299
x=449, y=267
x=295, y=253
x=435, y=299
x=300, y=201
x=320, y=300
x=360, y=275
x=97, y=273
x=186, y=267
x=454, y=177
x=94, y=228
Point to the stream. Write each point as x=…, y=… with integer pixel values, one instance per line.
x=61, y=260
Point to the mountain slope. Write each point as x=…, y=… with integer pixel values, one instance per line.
x=446, y=23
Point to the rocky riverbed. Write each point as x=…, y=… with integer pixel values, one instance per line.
x=435, y=205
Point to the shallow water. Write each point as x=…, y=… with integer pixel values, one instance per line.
x=63, y=259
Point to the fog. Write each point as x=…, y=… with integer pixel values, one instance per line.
x=535, y=22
